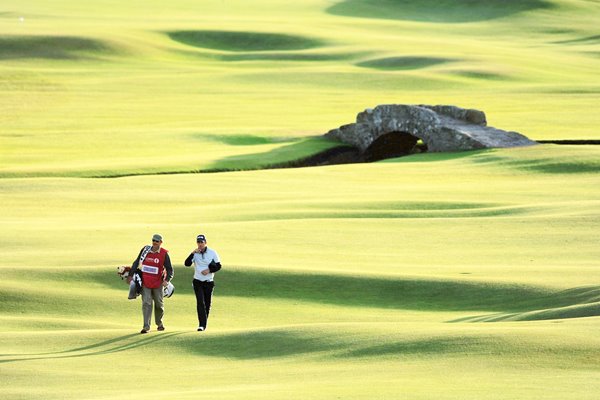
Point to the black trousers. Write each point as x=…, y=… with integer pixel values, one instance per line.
x=203, y=292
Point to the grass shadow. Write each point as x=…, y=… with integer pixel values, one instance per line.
x=575, y=303
x=273, y=158
x=385, y=293
x=403, y=63
x=51, y=47
x=436, y=157
x=415, y=294
x=545, y=161
x=281, y=56
x=483, y=75
x=257, y=344
x=243, y=139
x=243, y=41
x=438, y=11
x=114, y=345
x=422, y=347
x=582, y=40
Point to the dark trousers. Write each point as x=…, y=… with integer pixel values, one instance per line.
x=203, y=292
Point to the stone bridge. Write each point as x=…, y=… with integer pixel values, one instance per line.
x=394, y=130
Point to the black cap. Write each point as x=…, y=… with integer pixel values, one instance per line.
x=201, y=238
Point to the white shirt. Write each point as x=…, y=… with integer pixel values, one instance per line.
x=201, y=261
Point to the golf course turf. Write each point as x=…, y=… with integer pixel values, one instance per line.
x=470, y=275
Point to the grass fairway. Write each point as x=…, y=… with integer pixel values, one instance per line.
x=469, y=277
x=435, y=276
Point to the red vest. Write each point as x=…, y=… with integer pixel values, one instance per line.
x=153, y=269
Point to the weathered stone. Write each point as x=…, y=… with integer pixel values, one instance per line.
x=441, y=128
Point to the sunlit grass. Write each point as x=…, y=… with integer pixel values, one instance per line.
x=89, y=99
x=468, y=260
x=436, y=276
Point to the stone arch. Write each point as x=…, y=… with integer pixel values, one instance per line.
x=441, y=128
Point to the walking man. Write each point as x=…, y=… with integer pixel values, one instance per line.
x=206, y=262
x=156, y=272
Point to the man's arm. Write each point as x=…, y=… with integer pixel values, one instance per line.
x=188, y=261
x=168, y=267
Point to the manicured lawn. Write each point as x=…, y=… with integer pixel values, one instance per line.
x=436, y=276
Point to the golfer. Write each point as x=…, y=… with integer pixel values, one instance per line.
x=206, y=262
x=156, y=272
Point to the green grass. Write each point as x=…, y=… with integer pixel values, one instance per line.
x=242, y=41
x=139, y=76
x=468, y=275
x=50, y=47
x=403, y=63
x=336, y=272
x=447, y=11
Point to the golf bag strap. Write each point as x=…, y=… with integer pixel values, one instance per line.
x=144, y=254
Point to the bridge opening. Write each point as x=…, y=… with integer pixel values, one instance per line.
x=394, y=144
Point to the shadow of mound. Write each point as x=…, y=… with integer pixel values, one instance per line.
x=340, y=342
x=384, y=293
x=51, y=47
x=303, y=152
x=243, y=41
x=582, y=40
x=580, y=303
x=423, y=347
x=567, y=162
x=576, y=311
x=403, y=63
x=242, y=140
x=256, y=344
x=415, y=294
x=483, y=75
x=281, y=56
x=444, y=11
x=501, y=301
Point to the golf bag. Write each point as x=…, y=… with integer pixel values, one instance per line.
x=135, y=286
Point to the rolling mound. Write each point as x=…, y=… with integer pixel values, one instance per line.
x=484, y=75
x=592, y=40
x=435, y=11
x=569, y=160
x=403, y=63
x=243, y=41
x=500, y=301
x=574, y=311
x=283, y=56
x=51, y=47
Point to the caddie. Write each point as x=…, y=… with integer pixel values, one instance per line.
x=155, y=264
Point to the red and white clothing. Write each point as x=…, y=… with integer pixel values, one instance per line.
x=155, y=266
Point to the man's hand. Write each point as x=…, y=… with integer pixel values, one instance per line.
x=165, y=283
x=206, y=271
